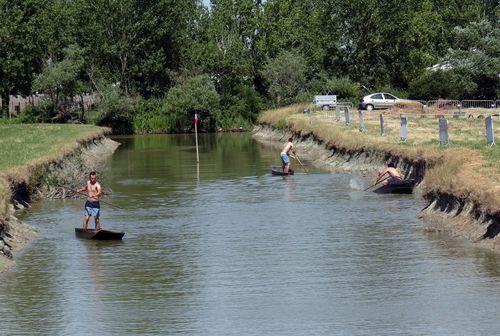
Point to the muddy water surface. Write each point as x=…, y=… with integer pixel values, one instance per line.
x=228, y=249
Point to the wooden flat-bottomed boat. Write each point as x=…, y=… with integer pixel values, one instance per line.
x=98, y=234
x=279, y=172
x=396, y=187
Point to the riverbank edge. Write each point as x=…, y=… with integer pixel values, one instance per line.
x=454, y=215
x=25, y=186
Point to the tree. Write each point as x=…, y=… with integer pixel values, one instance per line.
x=225, y=43
x=135, y=43
x=60, y=80
x=22, y=44
x=436, y=84
x=302, y=26
x=476, y=57
x=286, y=75
x=193, y=95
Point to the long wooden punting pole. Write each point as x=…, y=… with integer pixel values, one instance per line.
x=81, y=193
x=196, y=137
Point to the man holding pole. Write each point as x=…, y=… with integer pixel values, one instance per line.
x=289, y=150
x=92, y=206
x=394, y=175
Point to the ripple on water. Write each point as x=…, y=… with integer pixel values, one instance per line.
x=239, y=251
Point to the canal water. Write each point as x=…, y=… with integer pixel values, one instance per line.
x=228, y=249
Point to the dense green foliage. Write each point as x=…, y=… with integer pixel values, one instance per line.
x=470, y=69
x=154, y=63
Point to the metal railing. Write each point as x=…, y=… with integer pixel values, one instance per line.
x=477, y=104
x=442, y=105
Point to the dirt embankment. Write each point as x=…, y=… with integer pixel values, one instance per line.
x=41, y=181
x=458, y=216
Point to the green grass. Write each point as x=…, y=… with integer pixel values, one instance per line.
x=23, y=147
x=24, y=143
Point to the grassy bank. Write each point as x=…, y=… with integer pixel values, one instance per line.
x=26, y=147
x=466, y=168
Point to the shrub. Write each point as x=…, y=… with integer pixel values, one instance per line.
x=239, y=108
x=116, y=110
x=150, y=119
x=61, y=79
x=441, y=84
x=43, y=113
x=281, y=124
x=343, y=87
x=286, y=76
x=194, y=95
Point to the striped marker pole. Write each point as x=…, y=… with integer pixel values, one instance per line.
x=196, y=136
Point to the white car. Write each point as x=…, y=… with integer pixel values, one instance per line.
x=378, y=100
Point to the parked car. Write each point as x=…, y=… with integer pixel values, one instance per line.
x=378, y=101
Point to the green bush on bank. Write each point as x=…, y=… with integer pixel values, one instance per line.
x=343, y=87
x=198, y=95
x=149, y=118
x=195, y=95
x=116, y=110
x=435, y=84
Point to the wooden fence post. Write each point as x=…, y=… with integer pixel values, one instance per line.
x=337, y=113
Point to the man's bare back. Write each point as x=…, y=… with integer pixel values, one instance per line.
x=391, y=171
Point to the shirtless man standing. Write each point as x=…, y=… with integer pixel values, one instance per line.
x=289, y=150
x=92, y=206
x=393, y=173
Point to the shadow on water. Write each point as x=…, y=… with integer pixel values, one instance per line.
x=461, y=250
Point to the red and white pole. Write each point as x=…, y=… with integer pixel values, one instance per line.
x=196, y=136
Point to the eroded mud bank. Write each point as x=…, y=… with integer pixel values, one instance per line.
x=42, y=181
x=457, y=216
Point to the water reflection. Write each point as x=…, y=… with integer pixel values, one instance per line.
x=224, y=248
x=485, y=261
